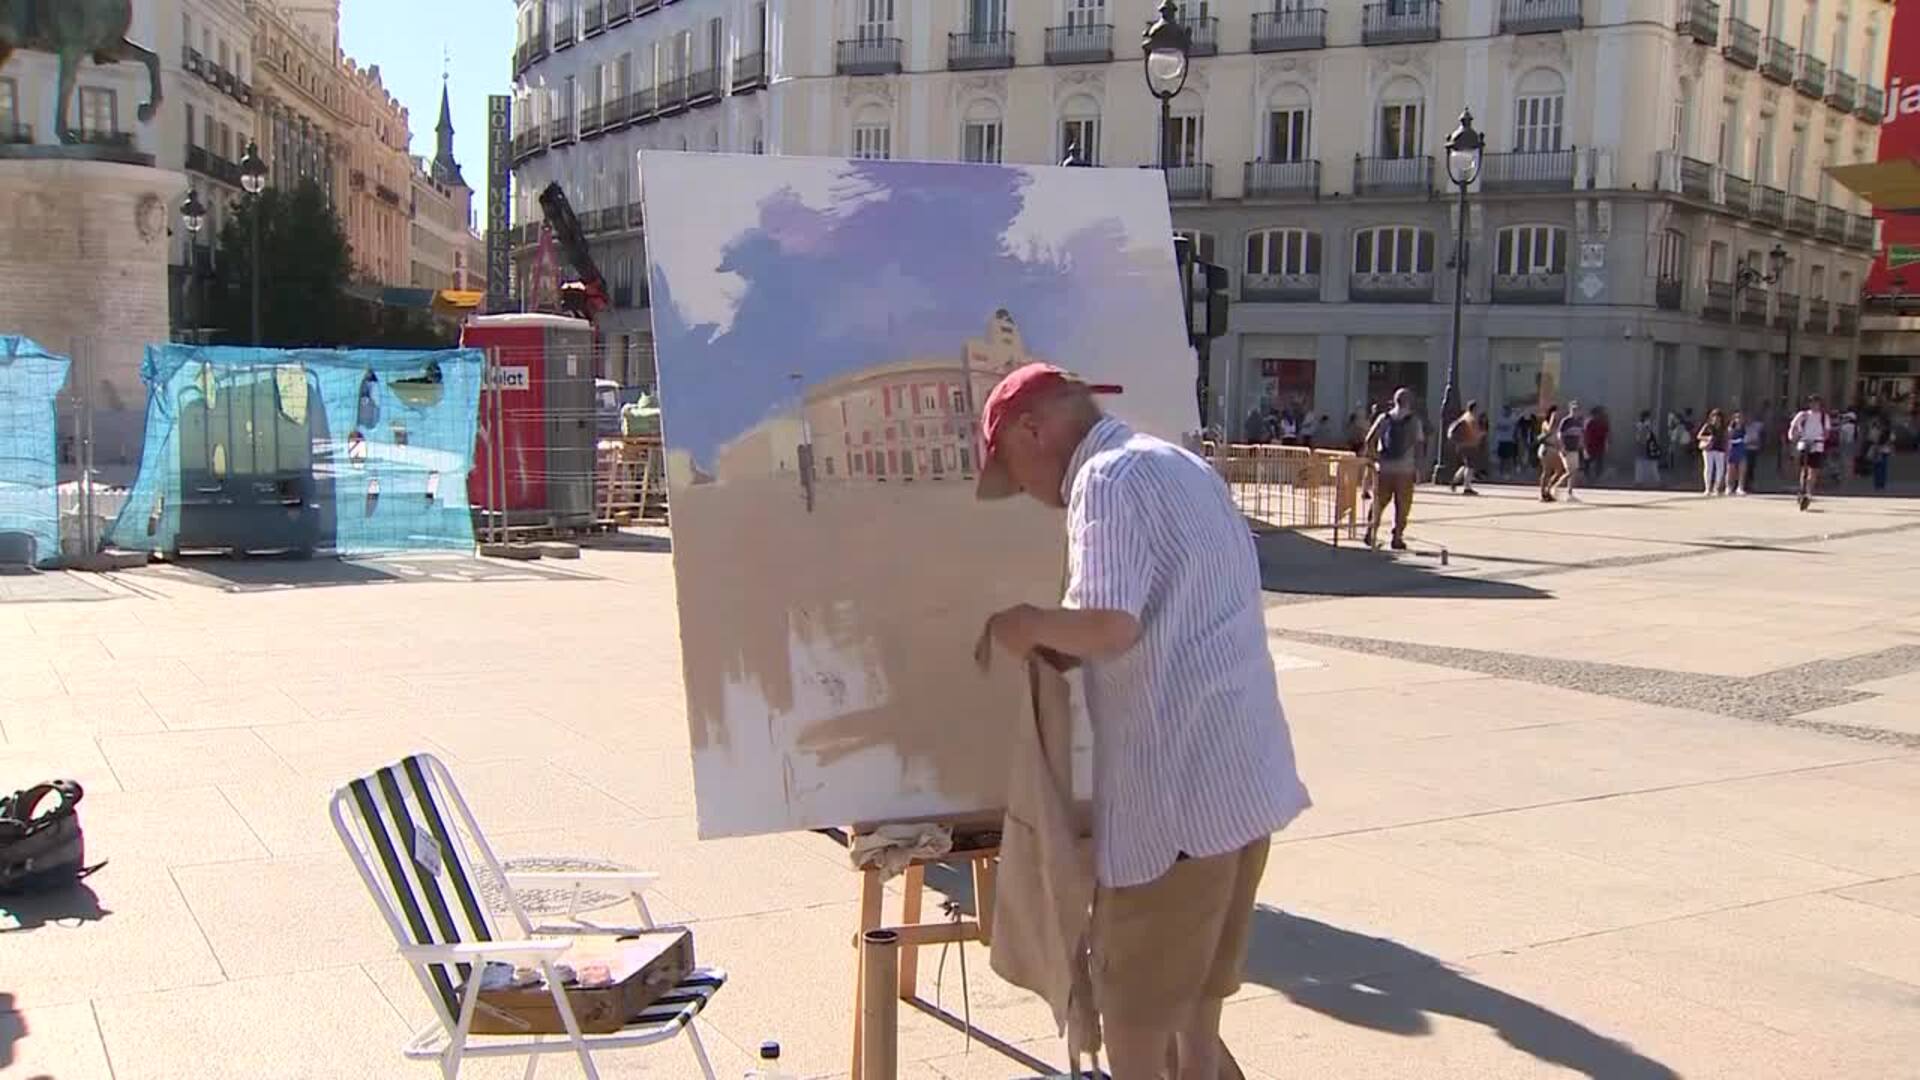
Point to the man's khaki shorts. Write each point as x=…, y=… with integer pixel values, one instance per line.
x=1178, y=939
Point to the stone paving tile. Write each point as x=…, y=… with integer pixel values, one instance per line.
x=170, y=759
x=125, y=929
x=55, y=1041
x=282, y=915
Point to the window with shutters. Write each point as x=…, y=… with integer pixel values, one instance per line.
x=986, y=18
x=875, y=22
x=982, y=135
x=1080, y=130
x=99, y=111
x=1400, y=130
x=1393, y=249
x=873, y=134
x=1086, y=13
x=1539, y=123
x=1673, y=255
x=1283, y=251
x=1288, y=131
x=1189, y=140
x=1531, y=249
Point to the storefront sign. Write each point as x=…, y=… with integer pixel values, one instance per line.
x=499, y=220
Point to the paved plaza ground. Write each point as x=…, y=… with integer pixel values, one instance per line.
x=1626, y=789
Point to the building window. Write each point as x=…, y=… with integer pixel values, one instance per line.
x=1082, y=14
x=1673, y=255
x=872, y=134
x=1817, y=282
x=1539, y=113
x=1288, y=129
x=1531, y=249
x=1203, y=243
x=10, y=105
x=1189, y=140
x=986, y=18
x=981, y=139
x=1283, y=251
x=1400, y=130
x=875, y=21
x=99, y=111
x=1080, y=131
x=1393, y=249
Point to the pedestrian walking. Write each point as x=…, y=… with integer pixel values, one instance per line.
x=1506, y=443
x=1467, y=433
x=1737, y=455
x=1678, y=438
x=1712, y=441
x=1395, y=443
x=1647, y=451
x=1193, y=764
x=1595, y=435
x=1573, y=443
x=1808, y=433
x=1547, y=450
x=1880, y=451
x=1756, y=448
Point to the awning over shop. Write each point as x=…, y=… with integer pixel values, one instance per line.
x=1892, y=187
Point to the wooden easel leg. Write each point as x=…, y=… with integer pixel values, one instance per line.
x=983, y=877
x=914, y=886
x=872, y=897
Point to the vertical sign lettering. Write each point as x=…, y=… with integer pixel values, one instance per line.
x=499, y=182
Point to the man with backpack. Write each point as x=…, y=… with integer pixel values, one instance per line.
x=1395, y=443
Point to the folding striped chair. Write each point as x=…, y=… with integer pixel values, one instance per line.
x=417, y=848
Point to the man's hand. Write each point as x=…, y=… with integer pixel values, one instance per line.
x=1016, y=629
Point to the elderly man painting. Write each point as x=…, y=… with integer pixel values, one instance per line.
x=1193, y=763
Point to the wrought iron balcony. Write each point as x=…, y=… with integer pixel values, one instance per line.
x=1843, y=90
x=1860, y=232
x=1846, y=319
x=634, y=220
x=1719, y=305
x=1529, y=288
x=1190, y=183
x=1873, y=104
x=1550, y=170
x=1392, y=176
x=673, y=97
x=1696, y=179
x=594, y=18
x=1668, y=293
x=1779, y=61
x=1742, y=45
x=122, y=140
x=1786, y=310
x=1206, y=36
x=868, y=56
x=1400, y=21
x=1289, y=31
x=1414, y=288
x=562, y=132
x=1280, y=288
x=618, y=12
x=191, y=60
x=1819, y=316
x=1539, y=16
x=645, y=7
x=749, y=72
x=646, y=105
x=591, y=120
x=980, y=50
x=1770, y=205
x=619, y=112
x=1811, y=80
x=703, y=87
x=565, y=33
x=1283, y=179
x=1753, y=307
x=1800, y=214
x=1701, y=21
x=1739, y=191
x=1084, y=44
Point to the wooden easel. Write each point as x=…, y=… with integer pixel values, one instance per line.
x=915, y=934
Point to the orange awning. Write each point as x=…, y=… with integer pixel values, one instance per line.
x=460, y=299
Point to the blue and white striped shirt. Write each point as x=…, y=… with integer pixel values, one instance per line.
x=1191, y=752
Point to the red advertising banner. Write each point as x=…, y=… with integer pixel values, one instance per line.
x=1896, y=267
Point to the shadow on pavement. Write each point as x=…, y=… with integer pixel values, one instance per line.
x=653, y=543
x=1291, y=562
x=1383, y=985
x=262, y=573
x=66, y=907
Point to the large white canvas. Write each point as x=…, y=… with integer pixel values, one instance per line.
x=825, y=331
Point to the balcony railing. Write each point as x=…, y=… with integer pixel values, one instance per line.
x=646, y=105
x=673, y=97
x=1550, y=170
x=868, y=56
x=562, y=132
x=1529, y=288
x=1668, y=293
x=1280, y=288
x=1539, y=16
x=1400, y=21
x=122, y=140
x=1770, y=205
x=591, y=120
x=634, y=220
x=1696, y=179
x=18, y=134
x=1873, y=104
x=1786, y=310
x=703, y=87
x=1819, y=316
x=1846, y=319
x=1860, y=232
x=1843, y=90
x=980, y=50
x=594, y=18
x=1779, y=61
x=1701, y=21
x=565, y=33
x=645, y=7
x=1811, y=80
x=1392, y=176
x=1719, y=305
x=618, y=12
x=1190, y=182
x=1833, y=225
x=1206, y=36
x=1287, y=31
x=1084, y=44
x=1753, y=307
x=1739, y=194
x=1743, y=44
x=1415, y=288
x=1283, y=179
x=1801, y=214
x=619, y=112
x=749, y=72
x=386, y=194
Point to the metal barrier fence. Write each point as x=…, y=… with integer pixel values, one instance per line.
x=1293, y=487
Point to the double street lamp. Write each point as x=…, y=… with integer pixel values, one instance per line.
x=253, y=177
x=193, y=214
x=1165, y=49
x=1464, y=148
x=1745, y=277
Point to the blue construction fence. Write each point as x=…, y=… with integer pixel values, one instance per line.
x=350, y=451
x=30, y=382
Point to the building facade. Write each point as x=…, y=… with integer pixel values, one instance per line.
x=1639, y=154
x=379, y=178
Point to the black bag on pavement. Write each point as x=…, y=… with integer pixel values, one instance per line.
x=45, y=852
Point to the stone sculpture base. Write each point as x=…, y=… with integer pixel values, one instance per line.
x=83, y=254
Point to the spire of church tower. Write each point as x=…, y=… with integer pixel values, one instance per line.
x=445, y=168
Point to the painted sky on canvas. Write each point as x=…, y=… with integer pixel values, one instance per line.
x=770, y=267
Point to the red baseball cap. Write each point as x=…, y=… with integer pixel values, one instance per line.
x=1010, y=399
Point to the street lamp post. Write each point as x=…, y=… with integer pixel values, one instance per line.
x=253, y=177
x=1165, y=49
x=1746, y=276
x=193, y=214
x=1463, y=167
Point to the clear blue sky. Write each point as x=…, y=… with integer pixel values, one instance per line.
x=410, y=38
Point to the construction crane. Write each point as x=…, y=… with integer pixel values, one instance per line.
x=587, y=297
